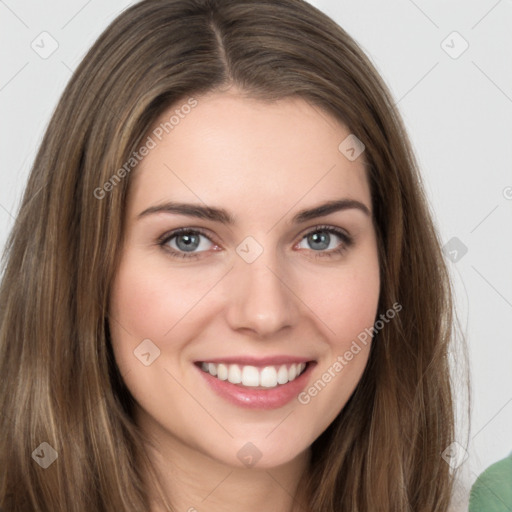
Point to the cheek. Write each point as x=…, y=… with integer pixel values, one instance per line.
x=142, y=306
x=148, y=300
x=347, y=310
x=353, y=307
x=138, y=302
x=346, y=301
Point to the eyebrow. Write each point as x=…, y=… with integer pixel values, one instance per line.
x=223, y=216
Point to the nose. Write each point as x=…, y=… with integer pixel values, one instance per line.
x=260, y=297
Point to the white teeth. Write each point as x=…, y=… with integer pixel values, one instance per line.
x=222, y=371
x=282, y=375
x=234, y=373
x=251, y=376
x=268, y=377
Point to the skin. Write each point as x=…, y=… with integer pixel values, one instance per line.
x=263, y=162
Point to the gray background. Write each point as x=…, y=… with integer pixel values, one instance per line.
x=457, y=107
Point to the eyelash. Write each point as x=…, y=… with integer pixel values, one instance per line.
x=347, y=241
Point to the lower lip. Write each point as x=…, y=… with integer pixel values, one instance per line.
x=271, y=398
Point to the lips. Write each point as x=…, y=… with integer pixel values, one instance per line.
x=249, y=382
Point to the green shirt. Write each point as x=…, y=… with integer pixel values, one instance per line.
x=492, y=491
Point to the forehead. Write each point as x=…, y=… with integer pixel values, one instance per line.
x=256, y=155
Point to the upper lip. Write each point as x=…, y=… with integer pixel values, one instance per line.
x=257, y=361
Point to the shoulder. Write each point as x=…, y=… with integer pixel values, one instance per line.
x=492, y=491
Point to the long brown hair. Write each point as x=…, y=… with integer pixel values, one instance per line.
x=61, y=383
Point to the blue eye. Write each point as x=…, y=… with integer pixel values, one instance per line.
x=190, y=243
x=321, y=241
x=185, y=240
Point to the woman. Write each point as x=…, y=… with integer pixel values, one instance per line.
x=224, y=287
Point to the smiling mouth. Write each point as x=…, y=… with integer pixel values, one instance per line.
x=253, y=377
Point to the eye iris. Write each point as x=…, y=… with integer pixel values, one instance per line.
x=189, y=242
x=322, y=238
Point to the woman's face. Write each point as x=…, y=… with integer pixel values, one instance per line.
x=265, y=282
